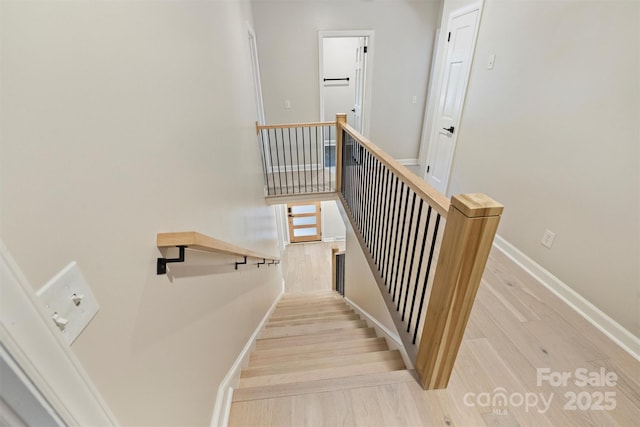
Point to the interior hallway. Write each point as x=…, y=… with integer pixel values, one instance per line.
x=307, y=266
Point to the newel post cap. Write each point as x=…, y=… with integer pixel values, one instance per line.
x=474, y=205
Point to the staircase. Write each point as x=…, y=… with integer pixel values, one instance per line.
x=316, y=343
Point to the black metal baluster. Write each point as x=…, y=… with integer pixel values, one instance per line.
x=295, y=134
x=273, y=176
x=358, y=186
x=426, y=279
x=380, y=212
x=420, y=261
x=406, y=252
x=345, y=170
x=392, y=236
x=368, y=199
x=304, y=161
x=331, y=160
x=413, y=255
x=275, y=137
x=402, y=217
x=310, y=160
x=284, y=161
x=293, y=181
x=343, y=150
x=386, y=221
x=323, y=160
x=354, y=183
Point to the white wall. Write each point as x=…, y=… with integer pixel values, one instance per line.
x=333, y=227
x=553, y=133
x=121, y=120
x=360, y=285
x=404, y=32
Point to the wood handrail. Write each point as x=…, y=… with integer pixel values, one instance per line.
x=201, y=242
x=432, y=196
x=293, y=125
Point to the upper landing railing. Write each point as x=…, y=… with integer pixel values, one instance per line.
x=298, y=158
x=427, y=252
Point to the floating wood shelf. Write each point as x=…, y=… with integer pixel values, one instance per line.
x=201, y=242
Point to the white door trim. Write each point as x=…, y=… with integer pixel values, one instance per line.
x=368, y=78
x=255, y=71
x=41, y=352
x=431, y=120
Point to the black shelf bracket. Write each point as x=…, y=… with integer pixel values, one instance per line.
x=241, y=263
x=162, y=262
x=264, y=261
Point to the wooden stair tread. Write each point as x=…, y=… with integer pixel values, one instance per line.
x=318, y=374
x=260, y=357
x=297, y=330
x=308, y=321
x=309, y=315
x=333, y=336
x=314, y=363
x=310, y=295
x=322, y=385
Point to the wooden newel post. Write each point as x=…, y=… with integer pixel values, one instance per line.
x=341, y=119
x=472, y=223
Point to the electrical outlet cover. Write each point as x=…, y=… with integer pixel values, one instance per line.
x=58, y=297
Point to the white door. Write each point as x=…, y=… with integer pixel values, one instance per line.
x=461, y=34
x=361, y=52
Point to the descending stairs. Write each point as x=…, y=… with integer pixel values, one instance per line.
x=315, y=343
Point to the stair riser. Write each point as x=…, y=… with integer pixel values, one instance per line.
x=312, y=364
x=307, y=315
x=322, y=386
x=309, y=309
x=288, y=331
x=337, y=372
x=367, y=344
x=324, y=337
x=309, y=321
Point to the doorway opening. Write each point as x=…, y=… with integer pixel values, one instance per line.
x=304, y=222
x=345, y=76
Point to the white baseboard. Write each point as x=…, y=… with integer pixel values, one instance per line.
x=392, y=338
x=333, y=239
x=612, y=329
x=295, y=168
x=224, y=397
x=408, y=162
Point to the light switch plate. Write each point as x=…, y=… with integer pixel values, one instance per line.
x=69, y=301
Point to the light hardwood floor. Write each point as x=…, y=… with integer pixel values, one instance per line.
x=307, y=266
x=517, y=327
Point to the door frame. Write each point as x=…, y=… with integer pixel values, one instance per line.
x=431, y=119
x=255, y=73
x=368, y=77
x=318, y=224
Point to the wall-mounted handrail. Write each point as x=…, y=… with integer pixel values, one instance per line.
x=201, y=242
